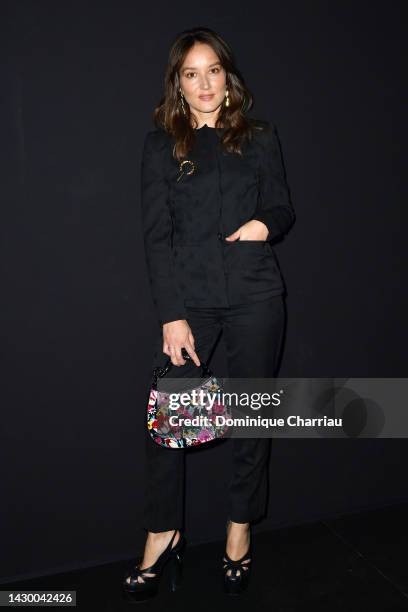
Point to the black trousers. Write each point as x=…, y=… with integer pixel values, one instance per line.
x=253, y=336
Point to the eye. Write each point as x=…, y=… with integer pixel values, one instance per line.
x=187, y=74
x=216, y=70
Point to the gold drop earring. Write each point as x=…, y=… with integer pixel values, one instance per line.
x=227, y=103
x=182, y=103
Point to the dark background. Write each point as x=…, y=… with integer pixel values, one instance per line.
x=78, y=86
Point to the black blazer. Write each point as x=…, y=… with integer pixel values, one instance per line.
x=185, y=218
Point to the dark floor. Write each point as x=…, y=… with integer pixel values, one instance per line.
x=356, y=563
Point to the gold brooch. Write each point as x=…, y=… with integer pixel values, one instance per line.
x=189, y=169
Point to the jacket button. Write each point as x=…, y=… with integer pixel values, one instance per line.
x=220, y=236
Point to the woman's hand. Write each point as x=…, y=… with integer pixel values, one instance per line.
x=176, y=335
x=252, y=230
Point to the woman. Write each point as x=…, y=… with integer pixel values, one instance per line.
x=208, y=227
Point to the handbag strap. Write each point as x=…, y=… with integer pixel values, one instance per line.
x=160, y=372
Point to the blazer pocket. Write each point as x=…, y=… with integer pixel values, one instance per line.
x=252, y=268
x=243, y=255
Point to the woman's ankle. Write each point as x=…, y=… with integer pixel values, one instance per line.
x=160, y=533
x=238, y=527
x=161, y=536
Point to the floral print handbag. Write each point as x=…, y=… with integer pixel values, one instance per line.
x=199, y=418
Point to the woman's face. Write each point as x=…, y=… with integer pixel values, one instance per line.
x=202, y=80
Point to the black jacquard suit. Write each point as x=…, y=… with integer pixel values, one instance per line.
x=219, y=287
x=185, y=221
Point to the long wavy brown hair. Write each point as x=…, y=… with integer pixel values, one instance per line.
x=169, y=113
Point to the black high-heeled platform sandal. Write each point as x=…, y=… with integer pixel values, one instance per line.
x=141, y=591
x=237, y=581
